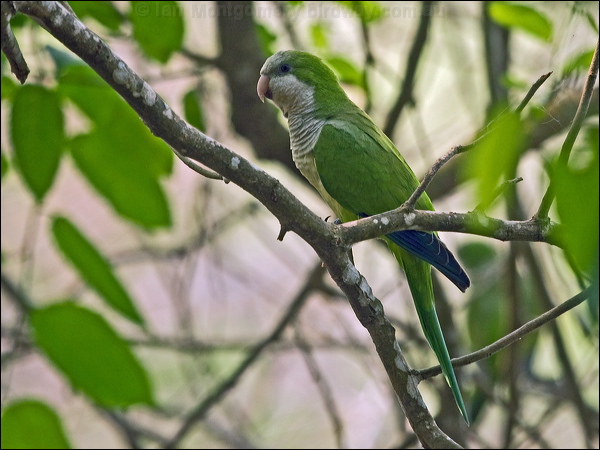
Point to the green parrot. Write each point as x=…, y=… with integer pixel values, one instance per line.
x=359, y=172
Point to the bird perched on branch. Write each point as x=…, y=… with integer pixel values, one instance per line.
x=359, y=173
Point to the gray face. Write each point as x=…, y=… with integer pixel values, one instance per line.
x=279, y=84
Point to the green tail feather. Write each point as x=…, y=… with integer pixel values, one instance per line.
x=433, y=333
x=418, y=274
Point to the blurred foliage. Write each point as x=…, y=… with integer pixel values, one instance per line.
x=93, y=357
x=192, y=108
x=577, y=203
x=37, y=139
x=496, y=153
x=109, y=154
x=522, y=17
x=104, y=12
x=32, y=424
x=93, y=268
x=148, y=17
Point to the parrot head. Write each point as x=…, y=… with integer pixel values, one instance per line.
x=296, y=80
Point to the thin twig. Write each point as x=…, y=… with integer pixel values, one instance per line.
x=131, y=431
x=21, y=299
x=411, y=202
x=571, y=380
x=199, y=169
x=431, y=173
x=313, y=280
x=532, y=91
x=323, y=387
x=567, y=146
x=497, y=193
x=284, y=13
x=368, y=64
x=201, y=61
x=510, y=338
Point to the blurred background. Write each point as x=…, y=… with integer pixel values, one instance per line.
x=146, y=306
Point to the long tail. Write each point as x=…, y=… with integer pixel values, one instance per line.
x=418, y=274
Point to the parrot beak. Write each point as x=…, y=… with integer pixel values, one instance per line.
x=262, y=88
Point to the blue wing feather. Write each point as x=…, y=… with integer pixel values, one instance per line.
x=431, y=249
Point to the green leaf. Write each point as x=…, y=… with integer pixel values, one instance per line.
x=91, y=355
x=496, y=154
x=19, y=21
x=193, y=110
x=577, y=204
x=93, y=268
x=512, y=82
x=489, y=319
x=30, y=424
x=591, y=21
x=158, y=28
x=347, y=72
x=318, y=34
x=120, y=156
x=9, y=87
x=90, y=93
x=110, y=166
x=367, y=11
x=586, y=10
x=134, y=147
x=104, y=12
x=579, y=62
x=37, y=133
x=521, y=17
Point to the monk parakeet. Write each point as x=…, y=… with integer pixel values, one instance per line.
x=359, y=172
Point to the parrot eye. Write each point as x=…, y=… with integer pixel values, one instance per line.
x=285, y=68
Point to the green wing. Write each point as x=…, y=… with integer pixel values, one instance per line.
x=364, y=172
x=362, y=169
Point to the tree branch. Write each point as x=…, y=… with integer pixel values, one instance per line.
x=10, y=46
x=532, y=90
x=406, y=93
x=472, y=223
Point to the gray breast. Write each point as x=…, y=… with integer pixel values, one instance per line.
x=303, y=137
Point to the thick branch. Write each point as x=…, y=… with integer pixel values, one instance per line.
x=369, y=311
